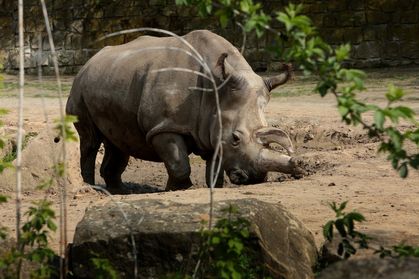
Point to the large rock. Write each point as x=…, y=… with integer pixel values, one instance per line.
x=167, y=236
x=373, y=268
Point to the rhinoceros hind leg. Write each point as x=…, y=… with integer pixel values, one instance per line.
x=220, y=178
x=90, y=140
x=113, y=165
x=173, y=152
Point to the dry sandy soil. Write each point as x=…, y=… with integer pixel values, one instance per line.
x=344, y=162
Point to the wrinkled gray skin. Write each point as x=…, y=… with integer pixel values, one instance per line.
x=156, y=116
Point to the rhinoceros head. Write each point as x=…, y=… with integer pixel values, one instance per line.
x=246, y=136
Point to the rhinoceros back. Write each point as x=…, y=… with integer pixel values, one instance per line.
x=124, y=91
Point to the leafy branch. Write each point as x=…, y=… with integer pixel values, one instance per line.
x=349, y=237
x=345, y=226
x=227, y=249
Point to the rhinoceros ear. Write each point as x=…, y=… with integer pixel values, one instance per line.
x=273, y=82
x=223, y=70
x=221, y=66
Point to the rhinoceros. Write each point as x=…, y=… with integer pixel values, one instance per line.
x=124, y=100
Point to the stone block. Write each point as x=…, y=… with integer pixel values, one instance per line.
x=81, y=56
x=65, y=58
x=337, y=6
x=375, y=32
x=410, y=17
x=333, y=35
x=13, y=58
x=116, y=40
x=168, y=238
x=314, y=8
x=366, y=50
x=358, y=19
x=392, y=50
x=377, y=17
x=409, y=50
x=317, y=19
x=345, y=19
x=387, y=268
x=356, y=5
x=374, y=5
x=353, y=35
x=404, y=32
x=390, y=5
x=329, y=20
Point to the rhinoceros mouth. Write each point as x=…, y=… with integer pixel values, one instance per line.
x=243, y=177
x=238, y=176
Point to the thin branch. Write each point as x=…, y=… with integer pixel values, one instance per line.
x=157, y=30
x=20, y=125
x=185, y=70
x=63, y=180
x=197, y=59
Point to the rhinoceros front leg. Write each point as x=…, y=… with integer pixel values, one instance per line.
x=173, y=152
x=219, y=183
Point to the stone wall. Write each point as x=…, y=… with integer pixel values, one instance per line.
x=382, y=32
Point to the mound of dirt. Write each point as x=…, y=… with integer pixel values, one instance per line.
x=38, y=159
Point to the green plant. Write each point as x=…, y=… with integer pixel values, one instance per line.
x=103, y=269
x=11, y=156
x=3, y=163
x=1, y=77
x=33, y=244
x=228, y=249
x=32, y=247
x=345, y=226
x=316, y=58
x=398, y=251
x=35, y=234
x=3, y=231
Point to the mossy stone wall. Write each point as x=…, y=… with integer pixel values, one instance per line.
x=382, y=32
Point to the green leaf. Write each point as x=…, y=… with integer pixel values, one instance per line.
x=355, y=216
x=328, y=230
x=403, y=170
x=343, y=111
x=394, y=93
x=223, y=20
x=244, y=6
x=215, y=240
x=379, y=119
x=342, y=206
x=3, y=199
x=342, y=52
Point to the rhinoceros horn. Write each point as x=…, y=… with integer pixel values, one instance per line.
x=270, y=160
x=270, y=135
x=272, y=82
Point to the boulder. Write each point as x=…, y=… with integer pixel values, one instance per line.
x=368, y=268
x=168, y=237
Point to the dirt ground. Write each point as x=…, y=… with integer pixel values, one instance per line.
x=344, y=161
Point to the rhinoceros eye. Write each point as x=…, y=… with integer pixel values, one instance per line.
x=235, y=139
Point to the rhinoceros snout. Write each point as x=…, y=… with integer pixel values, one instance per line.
x=241, y=177
x=238, y=176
